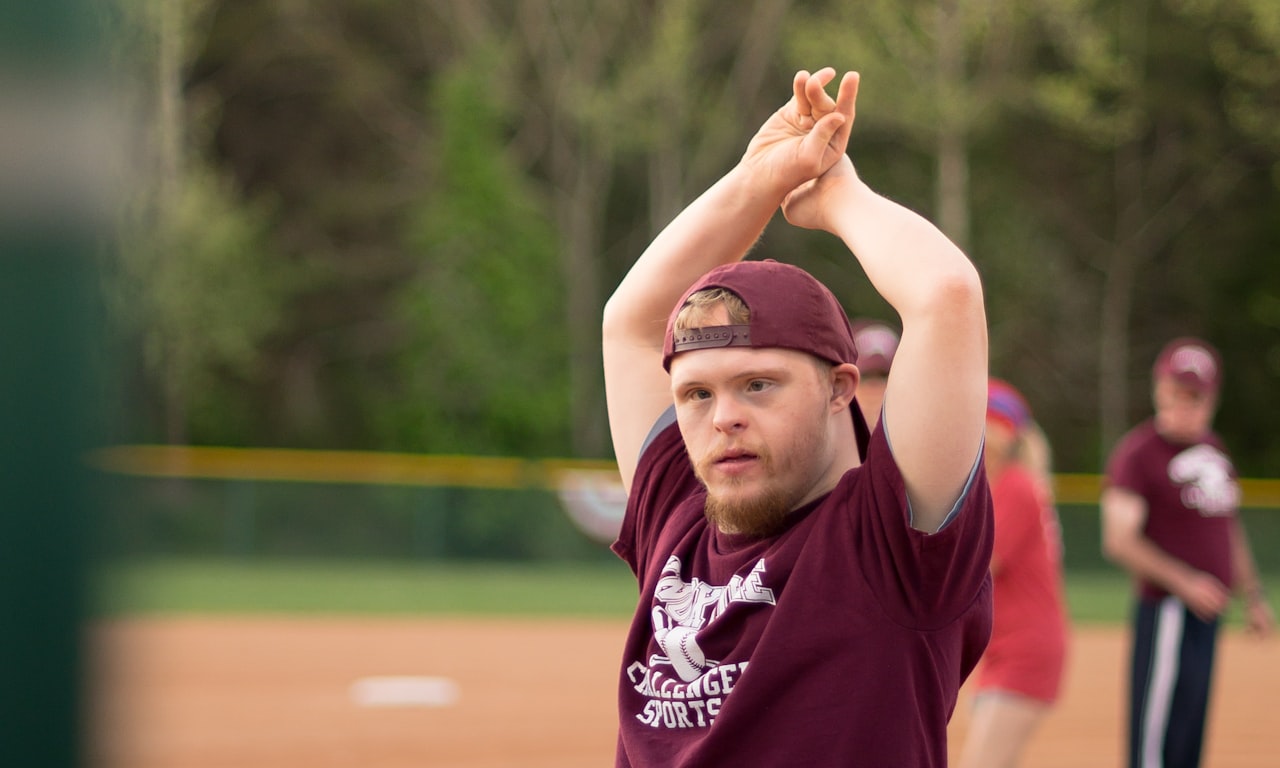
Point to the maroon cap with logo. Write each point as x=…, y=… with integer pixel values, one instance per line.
x=789, y=309
x=1193, y=362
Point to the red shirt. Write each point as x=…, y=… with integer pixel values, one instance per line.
x=1027, y=651
x=843, y=640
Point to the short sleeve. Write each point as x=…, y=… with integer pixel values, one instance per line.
x=1123, y=469
x=924, y=580
x=663, y=478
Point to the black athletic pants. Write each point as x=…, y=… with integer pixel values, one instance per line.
x=1171, y=675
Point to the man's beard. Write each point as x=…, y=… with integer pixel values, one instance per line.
x=766, y=513
x=759, y=516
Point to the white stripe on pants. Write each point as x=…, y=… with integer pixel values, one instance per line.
x=1160, y=684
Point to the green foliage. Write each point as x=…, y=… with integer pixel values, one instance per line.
x=1122, y=160
x=486, y=368
x=195, y=293
x=926, y=65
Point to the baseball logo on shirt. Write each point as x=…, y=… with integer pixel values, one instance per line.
x=1205, y=474
x=691, y=693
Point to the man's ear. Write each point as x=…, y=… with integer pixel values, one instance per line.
x=844, y=384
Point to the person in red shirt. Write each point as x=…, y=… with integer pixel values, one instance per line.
x=1020, y=676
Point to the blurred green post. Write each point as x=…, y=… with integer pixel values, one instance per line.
x=50, y=216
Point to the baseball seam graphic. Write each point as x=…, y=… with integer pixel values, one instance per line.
x=684, y=650
x=685, y=655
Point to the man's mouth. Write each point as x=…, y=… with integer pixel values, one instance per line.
x=735, y=458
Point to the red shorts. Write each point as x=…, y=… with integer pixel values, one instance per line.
x=1034, y=671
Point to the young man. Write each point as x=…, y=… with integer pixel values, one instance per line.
x=808, y=595
x=1169, y=516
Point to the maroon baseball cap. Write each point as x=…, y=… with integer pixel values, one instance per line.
x=877, y=343
x=789, y=309
x=1193, y=362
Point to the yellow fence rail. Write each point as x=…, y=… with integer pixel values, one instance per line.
x=369, y=467
x=1085, y=489
x=309, y=466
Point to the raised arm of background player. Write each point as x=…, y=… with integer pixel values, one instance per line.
x=719, y=227
x=935, y=399
x=936, y=430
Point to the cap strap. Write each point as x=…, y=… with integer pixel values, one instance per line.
x=711, y=336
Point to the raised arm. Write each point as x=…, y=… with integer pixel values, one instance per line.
x=797, y=143
x=935, y=399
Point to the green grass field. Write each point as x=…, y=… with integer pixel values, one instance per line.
x=177, y=586
x=363, y=587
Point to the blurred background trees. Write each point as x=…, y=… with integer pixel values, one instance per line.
x=392, y=224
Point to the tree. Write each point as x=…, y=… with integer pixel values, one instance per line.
x=1118, y=80
x=944, y=69
x=485, y=366
x=596, y=85
x=194, y=291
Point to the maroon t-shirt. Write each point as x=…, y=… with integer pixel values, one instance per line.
x=1192, y=496
x=841, y=641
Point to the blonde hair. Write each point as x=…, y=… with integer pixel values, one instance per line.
x=699, y=307
x=1033, y=451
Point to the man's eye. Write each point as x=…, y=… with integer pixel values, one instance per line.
x=699, y=394
x=757, y=385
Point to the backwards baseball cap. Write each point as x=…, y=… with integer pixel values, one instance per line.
x=1006, y=405
x=789, y=309
x=877, y=343
x=1193, y=362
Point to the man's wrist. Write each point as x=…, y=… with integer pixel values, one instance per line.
x=754, y=187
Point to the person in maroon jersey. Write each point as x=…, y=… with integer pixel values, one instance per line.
x=876, y=343
x=811, y=593
x=1169, y=515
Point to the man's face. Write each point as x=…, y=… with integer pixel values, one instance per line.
x=1183, y=414
x=757, y=425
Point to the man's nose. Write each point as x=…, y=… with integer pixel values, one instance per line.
x=729, y=415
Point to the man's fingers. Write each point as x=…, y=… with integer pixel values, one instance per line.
x=847, y=95
x=798, y=85
x=816, y=90
x=826, y=128
x=824, y=76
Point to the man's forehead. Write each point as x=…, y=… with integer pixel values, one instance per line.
x=1177, y=386
x=731, y=362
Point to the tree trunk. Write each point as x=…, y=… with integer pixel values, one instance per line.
x=952, y=191
x=1113, y=346
x=953, y=185
x=580, y=213
x=170, y=129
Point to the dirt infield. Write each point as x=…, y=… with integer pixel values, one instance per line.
x=285, y=692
